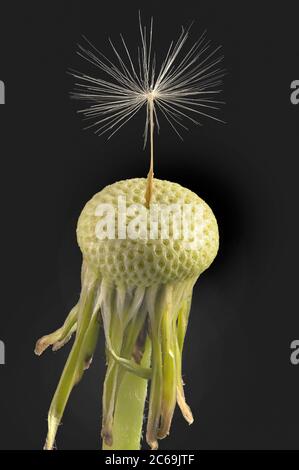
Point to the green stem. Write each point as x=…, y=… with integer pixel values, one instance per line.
x=129, y=409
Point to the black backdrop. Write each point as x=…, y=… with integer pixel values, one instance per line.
x=240, y=383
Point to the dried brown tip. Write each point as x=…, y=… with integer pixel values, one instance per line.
x=152, y=441
x=185, y=409
x=139, y=347
x=41, y=345
x=166, y=420
x=106, y=435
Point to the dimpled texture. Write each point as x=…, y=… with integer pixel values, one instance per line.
x=146, y=261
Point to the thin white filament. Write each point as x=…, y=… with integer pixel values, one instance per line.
x=180, y=90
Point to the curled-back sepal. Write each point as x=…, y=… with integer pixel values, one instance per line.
x=60, y=337
x=155, y=304
x=80, y=355
x=180, y=335
x=168, y=307
x=168, y=400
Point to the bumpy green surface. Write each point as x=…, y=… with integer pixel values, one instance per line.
x=144, y=262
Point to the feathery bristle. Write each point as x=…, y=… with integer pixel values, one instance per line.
x=183, y=89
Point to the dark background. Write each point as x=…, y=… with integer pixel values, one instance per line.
x=240, y=383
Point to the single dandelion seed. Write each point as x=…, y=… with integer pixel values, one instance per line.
x=143, y=247
x=184, y=89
